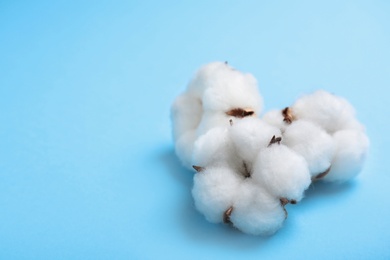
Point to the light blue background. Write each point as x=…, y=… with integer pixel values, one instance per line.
x=87, y=169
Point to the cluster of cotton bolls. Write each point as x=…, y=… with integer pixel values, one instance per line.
x=248, y=168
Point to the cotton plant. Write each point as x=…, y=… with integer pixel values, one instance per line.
x=248, y=168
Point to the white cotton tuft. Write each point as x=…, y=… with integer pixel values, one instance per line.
x=212, y=120
x=214, y=191
x=255, y=211
x=251, y=134
x=184, y=147
x=331, y=112
x=351, y=151
x=214, y=148
x=223, y=88
x=282, y=171
x=312, y=142
x=276, y=119
x=186, y=113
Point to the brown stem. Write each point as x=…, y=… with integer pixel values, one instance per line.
x=247, y=173
x=226, y=215
x=240, y=113
x=198, y=168
x=288, y=115
x=321, y=175
x=275, y=140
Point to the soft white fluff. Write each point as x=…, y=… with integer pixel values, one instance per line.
x=225, y=88
x=312, y=142
x=251, y=134
x=282, y=171
x=186, y=112
x=331, y=112
x=212, y=120
x=255, y=211
x=184, y=147
x=214, y=148
x=214, y=191
x=351, y=151
x=275, y=118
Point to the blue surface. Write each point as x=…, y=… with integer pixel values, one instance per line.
x=87, y=169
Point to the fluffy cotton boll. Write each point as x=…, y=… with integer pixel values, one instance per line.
x=351, y=151
x=255, y=211
x=214, y=191
x=282, y=171
x=186, y=113
x=312, y=142
x=327, y=110
x=205, y=77
x=251, y=134
x=184, y=147
x=215, y=148
x=276, y=119
x=223, y=88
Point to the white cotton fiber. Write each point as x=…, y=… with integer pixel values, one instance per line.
x=331, y=112
x=282, y=171
x=214, y=148
x=351, y=151
x=214, y=191
x=186, y=113
x=312, y=142
x=205, y=77
x=227, y=88
x=212, y=120
x=255, y=211
x=251, y=134
x=184, y=147
x=275, y=118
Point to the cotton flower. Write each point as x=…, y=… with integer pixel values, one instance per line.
x=329, y=111
x=312, y=142
x=255, y=211
x=351, y=152
x=283, y=172
x=249, y=136
x=215, y=148
x=214, y=191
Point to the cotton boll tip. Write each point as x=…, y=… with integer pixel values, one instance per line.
x=198, y=168
x=288, y=116
x=240, y=112
x=226, y=216
x=274, y=140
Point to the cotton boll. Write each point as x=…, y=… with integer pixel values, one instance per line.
x=351, y=151
x=214, y=148
x=276, y=119
x=186, y=113
x=223, y=88
x=214, y=191
x=251, y=134
x=327, y=110
x=312, y=142
x=255, y=211
x=282, y=171
x=184, y=147
x=205, y=77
